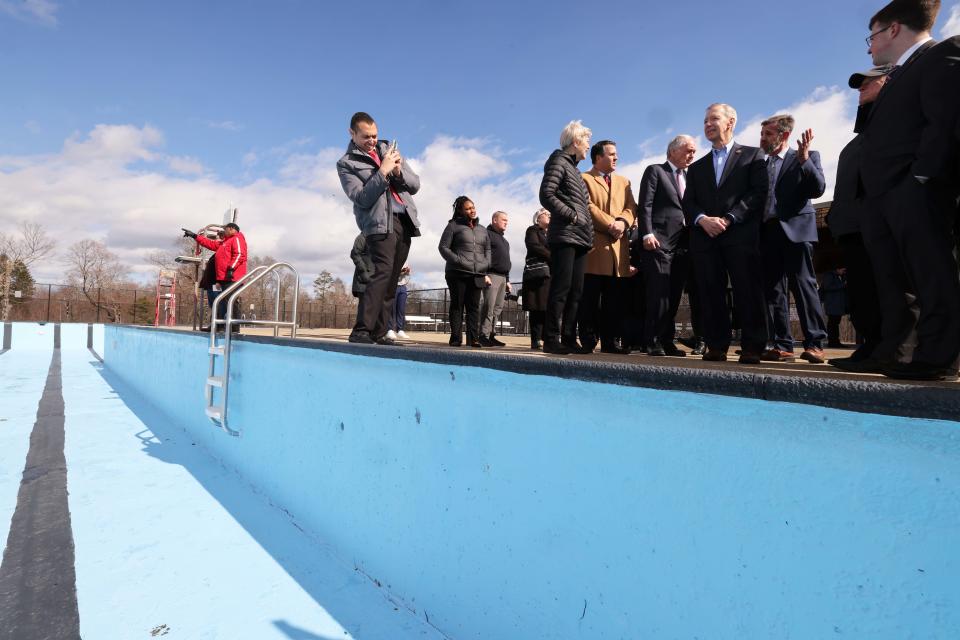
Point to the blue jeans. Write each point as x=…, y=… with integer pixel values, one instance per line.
x=398, y=317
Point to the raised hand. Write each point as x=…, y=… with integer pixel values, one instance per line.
x=803, y=145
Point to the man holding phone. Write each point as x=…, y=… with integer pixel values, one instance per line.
x=381, y=185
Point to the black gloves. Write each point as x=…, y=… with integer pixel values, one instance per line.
x=230, y=274
x=188, y=234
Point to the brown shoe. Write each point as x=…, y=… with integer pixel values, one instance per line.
x=715, y=355
x=776, y=355
x=749, y=357
x=814, y=355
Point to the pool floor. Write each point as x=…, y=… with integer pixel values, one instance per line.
x=166, y=542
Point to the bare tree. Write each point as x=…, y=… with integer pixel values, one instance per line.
x=91, y=267
x=29, y=246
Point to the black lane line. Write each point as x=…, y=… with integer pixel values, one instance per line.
x=7, y=337
x=90, y=343
x=38, y=580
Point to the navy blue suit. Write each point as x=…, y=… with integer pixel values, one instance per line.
x=786, y=245
x=734, y=255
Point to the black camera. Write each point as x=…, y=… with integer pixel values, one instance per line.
x=512, y=295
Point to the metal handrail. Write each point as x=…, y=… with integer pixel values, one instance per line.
x=232, y=292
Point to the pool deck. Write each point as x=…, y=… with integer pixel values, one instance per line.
x=158, y=539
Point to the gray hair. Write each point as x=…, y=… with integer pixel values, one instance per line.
x=573, y=132
x=677, y=142
x=785, y=123
x=725, y=109
x=539, y=213
x=497, y=214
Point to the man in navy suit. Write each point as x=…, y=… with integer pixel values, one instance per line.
x=908, y=172
x=723, y=205
x=786, y=240
x=665, y=258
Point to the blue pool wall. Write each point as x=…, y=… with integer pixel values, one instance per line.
x=505, y=505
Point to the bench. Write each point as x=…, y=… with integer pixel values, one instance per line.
x=422, y=321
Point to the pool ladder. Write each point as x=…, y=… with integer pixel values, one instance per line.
x=217, y=411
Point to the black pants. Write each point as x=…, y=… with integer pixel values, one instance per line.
x=788, y=268
x=388, y=253
x=833, y=330
x=567, y=263
x=693, y=293
x=908, y=238
x=464, y=292
x=536, y=326
x=741, y=263
x=666, y=273
x=862, y=298
x=222, y=307
x=600, y=315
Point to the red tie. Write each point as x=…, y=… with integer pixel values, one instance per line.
x=681, y=183
x=607, y=180
x=376, y=158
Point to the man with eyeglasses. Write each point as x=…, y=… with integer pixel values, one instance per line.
x=908, y=173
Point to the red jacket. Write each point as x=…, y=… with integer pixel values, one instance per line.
x=231, y=253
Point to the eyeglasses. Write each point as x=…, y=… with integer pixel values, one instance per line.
x=873, y=35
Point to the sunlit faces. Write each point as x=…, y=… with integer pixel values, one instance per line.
x=469, y=210
x=717, y=126
x=771, y=138
x=881, y=42
x=682, y=156
x=607, y=162
x=581, y=147
x=365, y=136
x=499, y=222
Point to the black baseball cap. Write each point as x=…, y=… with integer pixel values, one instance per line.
x=232, y=225
x=857, y=79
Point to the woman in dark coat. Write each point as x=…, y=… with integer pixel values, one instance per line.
x=465, y=246
x=564, y=194
x=536, y=279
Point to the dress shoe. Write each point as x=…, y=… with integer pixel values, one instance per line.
x=750, y=357
x=656, y=349
x=672, y=350
x=616, y=349
x=494, y=342
x=582, y=349
x=918, y=371
x=813, y=355
x=485, y=341
x=536, y=345
x=387, y=341
x=776, y=355
x=476, y=344
x=557, y=348
x=699, y=347
x=715, y=355
x=836, y=345
x=456, y=341
x=866, y=365
x=360, y=337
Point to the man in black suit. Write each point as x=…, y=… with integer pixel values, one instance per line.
x=844, y=223
x=665, y=259
x=786, y=240
x=723, y=204
x=909, y=176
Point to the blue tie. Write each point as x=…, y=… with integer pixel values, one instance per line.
x=718, y=161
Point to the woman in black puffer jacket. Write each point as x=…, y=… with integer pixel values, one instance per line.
x=465, y=246
x=570, y=236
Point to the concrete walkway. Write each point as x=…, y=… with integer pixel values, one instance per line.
x=167, y=543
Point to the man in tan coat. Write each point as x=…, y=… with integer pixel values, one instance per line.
x=605, y=291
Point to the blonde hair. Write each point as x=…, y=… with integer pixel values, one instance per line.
x=574, y=132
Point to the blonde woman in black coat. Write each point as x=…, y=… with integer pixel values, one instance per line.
x=536, y=276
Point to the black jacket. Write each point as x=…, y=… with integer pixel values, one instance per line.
x=363, y=265
x=659, y=210
x=500, y=253
x=740, y=196
x=911, y=127
x=564, y=194
x=466, y=248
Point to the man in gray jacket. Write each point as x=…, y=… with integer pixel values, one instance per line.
x=381, y=185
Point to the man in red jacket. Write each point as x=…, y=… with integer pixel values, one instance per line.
x=230, y=256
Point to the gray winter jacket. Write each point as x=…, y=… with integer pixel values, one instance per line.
x=369, y=191
x=564, y=194
x=465, y=248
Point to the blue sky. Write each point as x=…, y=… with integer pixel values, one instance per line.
x=226, y=95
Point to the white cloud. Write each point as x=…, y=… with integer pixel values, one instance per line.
x=37, y=11
x=952, y=26
x=115, y=185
